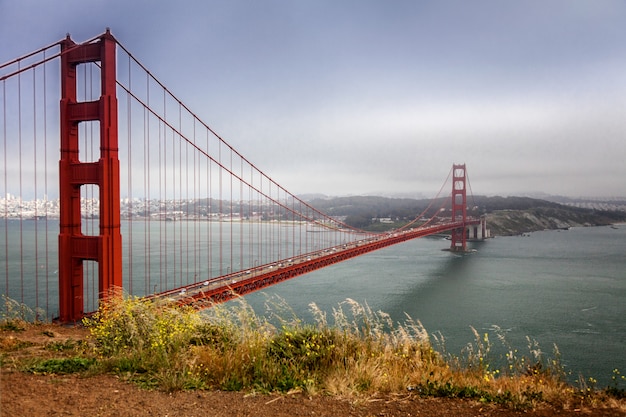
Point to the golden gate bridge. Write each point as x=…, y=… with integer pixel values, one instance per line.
x=198, y=222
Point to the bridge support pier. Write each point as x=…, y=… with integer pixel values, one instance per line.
x=478, y=231
x=74, y=247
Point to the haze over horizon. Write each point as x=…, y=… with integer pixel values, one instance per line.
x=419, y=196
x=368, y=97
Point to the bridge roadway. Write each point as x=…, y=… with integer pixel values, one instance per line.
x=224, y=288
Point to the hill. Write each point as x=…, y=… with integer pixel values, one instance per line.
x=505, y=215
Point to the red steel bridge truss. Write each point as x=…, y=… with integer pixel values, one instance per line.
x=147, y=197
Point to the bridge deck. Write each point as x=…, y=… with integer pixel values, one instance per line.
x=218, y=290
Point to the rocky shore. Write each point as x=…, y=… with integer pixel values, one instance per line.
x=516, y=222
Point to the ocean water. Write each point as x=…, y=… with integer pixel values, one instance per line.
x=565, y=288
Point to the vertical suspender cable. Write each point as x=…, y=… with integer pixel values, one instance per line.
x=166, y=258
x=231, y=209
x=175, y=207
x=162, y=264
x=300, y=225
x=251, y=220
x=45, y=177
x=209, y=193
x=175, y=204
x=147, y=187
x=36, y=195
x=19, y=124
x=129, y=191
x=270, y=208
x=195, y=210
x=240, y=207
x=129, y=206
x=6, y=194
x=187, y=203
x=180, y=199
x=260, y=228
x=221, y=211
x=292, y=217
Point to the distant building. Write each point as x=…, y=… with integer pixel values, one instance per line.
x=386, y=220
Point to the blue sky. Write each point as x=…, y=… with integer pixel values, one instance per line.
x=366, y=97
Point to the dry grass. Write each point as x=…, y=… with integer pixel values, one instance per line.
x=358, y=353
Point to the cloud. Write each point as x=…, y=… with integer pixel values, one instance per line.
x=356, y=97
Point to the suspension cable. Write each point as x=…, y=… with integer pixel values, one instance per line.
x=43, y=60
x=432, y=201
x=231, y=149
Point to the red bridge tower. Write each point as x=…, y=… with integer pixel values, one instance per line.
x=74, y=247
x=459, y=207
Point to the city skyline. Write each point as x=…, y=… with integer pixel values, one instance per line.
x=13, y=207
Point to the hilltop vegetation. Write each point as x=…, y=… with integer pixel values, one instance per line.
x=506, y=215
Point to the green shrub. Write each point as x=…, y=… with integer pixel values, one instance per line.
x=61, y=346
x=61, y=366
x=132, y=326
x=307, y=347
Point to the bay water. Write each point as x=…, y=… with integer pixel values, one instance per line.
x=565, y=288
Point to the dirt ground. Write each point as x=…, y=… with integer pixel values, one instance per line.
x=105, y=395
